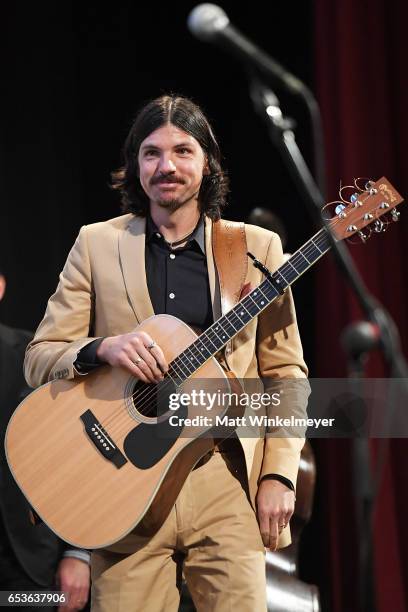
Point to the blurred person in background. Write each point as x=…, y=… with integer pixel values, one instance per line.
x=32, y=557
x=263, y=217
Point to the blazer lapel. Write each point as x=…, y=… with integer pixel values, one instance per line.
x=132, y=262
x=212, y=271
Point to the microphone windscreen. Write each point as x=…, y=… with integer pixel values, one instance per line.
x=206, y=20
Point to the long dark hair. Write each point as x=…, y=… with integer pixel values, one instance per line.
x=184, y=114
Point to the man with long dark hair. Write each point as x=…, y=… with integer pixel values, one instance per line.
x=157, y=258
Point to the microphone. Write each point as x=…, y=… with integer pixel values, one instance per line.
x=360, y=337
x=210, y=23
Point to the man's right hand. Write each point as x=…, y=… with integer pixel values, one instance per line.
x=136, y=352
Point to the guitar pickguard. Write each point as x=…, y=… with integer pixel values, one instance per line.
x=147, y=443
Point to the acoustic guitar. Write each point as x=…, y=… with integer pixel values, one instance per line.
x=96, y=455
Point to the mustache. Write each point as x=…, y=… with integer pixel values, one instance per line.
x=165, y=178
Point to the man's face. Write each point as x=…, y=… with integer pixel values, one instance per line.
x=171, y=167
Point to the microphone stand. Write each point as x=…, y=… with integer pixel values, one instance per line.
x=281, y=132
x=357, y=344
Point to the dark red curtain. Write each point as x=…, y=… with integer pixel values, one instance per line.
x=361, y=82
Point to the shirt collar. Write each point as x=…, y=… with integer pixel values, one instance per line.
x=198, y=235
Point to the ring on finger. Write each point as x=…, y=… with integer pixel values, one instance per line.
x=137, y=360
x=151, y=345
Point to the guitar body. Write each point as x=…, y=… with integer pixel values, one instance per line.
x=93, y=457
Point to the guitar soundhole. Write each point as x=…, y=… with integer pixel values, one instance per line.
x=154, y=436
x=152, y=400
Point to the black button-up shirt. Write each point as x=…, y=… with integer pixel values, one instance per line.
x=177, y=279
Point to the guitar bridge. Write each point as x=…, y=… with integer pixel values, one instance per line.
x=101, y=440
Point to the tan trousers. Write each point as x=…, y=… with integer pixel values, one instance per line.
x=214, y=527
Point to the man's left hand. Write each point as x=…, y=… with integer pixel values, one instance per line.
x=73, y=577
x=275, y=505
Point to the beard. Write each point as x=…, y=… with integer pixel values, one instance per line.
x=171, y=205
x=176, y=203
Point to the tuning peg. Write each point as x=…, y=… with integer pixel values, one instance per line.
x=355, y=201
x=379, y=226
x=339, y=210
x=359, y=237
x=395, y=214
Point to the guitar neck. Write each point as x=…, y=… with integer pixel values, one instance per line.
x=221, y=331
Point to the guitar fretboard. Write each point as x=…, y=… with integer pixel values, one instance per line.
x=225, y=328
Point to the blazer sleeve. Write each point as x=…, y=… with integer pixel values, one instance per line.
x=283, y=370
x=67, y=323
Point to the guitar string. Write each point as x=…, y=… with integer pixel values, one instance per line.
x=149, y=391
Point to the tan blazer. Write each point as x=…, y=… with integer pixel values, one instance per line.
x=103, y=292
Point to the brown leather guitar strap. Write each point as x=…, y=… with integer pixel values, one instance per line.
x=231, y=261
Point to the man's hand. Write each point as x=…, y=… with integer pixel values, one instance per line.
x=275, y=505
x=73, y=577
x=136, y=352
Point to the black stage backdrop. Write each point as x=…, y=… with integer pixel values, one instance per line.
x=73, y=76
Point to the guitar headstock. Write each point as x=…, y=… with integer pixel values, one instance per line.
x=367, y=206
